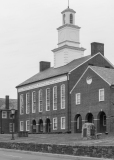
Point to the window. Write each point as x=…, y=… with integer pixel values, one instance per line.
x=27, y=125
x=71, y=19
x=55, y=123
x=40, y=101
x=10, y=127
x=55, y=98
x=62, y=122
x=64, y=19
x=4, y=114
x=78, y=98
x=104, y=120
x=27, y=103
x=21, y=104
x=47, y=99
x=62, y=96
x=101, y=94
x=21, y=126
x=33, y=102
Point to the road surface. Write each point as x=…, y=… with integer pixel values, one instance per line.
x=6, y=154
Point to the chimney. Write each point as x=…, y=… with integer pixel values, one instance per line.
x=97, y=47
x=7, y=102
x=43, y=65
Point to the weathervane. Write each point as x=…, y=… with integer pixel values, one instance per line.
x=68, y=3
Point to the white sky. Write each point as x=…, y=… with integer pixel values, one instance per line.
x=28, y=34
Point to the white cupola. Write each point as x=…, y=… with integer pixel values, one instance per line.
x=68, y=40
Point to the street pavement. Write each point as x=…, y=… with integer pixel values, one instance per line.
x=9, y=154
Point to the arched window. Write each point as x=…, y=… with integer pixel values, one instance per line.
x=64, y=19
x=71, y=19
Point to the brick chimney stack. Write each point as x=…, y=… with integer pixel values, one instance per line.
x=43, y=65
x=7, y=102
x=97, y=47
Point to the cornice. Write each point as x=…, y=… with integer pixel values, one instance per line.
x=68, y=10
x=69, y=25
x=68, y=47
x=69, y=41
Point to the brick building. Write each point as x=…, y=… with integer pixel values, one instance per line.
x=6, y=105
x=44, y=100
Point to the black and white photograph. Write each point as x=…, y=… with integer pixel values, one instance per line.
x=57, y=79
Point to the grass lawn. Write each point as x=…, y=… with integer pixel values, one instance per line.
x=69, y=139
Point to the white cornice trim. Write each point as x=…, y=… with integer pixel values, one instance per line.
x=68, y=25
x=89, y=67
x=68, y=47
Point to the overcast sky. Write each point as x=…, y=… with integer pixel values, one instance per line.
x=28, y=34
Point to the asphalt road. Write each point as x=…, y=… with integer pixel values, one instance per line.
x=6, y=154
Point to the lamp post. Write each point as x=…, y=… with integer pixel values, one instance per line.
x=12, y=115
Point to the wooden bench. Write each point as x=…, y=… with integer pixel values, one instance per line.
x=98, y=135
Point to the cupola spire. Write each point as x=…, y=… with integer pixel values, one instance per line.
x=68, y=3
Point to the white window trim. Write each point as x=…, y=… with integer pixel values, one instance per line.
x=40, y=100
x=100, y=100
x=21, y=104
x=26, y=104
x=26, y=125
x=61, y=97
x=46, y=100
x=4, y=117
x=53, y=97
x=20, y=126
x=61, y=123
x=54, y=123
x=33, y=111
x=78, y=94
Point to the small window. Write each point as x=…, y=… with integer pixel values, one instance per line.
x=64, y=19
x=62, y=122
x=71, y=19
x=47, y=99
x=21, y=126
x=55, y=123
x=27, y=125
x=55, y=98
x=78, y=98
x=101, y=94
x=40, y=101
x=34, y=102
x=63, y=96
x=104, y=120
x=4, y=114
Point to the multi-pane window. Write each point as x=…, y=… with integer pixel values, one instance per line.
x=21, y=126
x=62, y=96
x=55, y=123
x=27, y=125
x=101, y=94
x=21, y=104
x=10, y=127
x=62, y=122
x=40, y=101
x=33, y=102
x=71, y=19
x=64, y=19
x=55, y=98
x=47, y=99
x=27, y=103
x=4, y=114
x=78, y=98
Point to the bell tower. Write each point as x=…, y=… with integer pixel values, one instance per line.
x=68, y=40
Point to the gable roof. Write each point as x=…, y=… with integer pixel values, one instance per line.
x=12, y=104
x=107, y=74
x=52, y=72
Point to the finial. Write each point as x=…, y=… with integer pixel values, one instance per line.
x=68, y=3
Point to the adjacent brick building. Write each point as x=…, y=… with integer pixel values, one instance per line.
x=46, y=100
x=6, y=105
